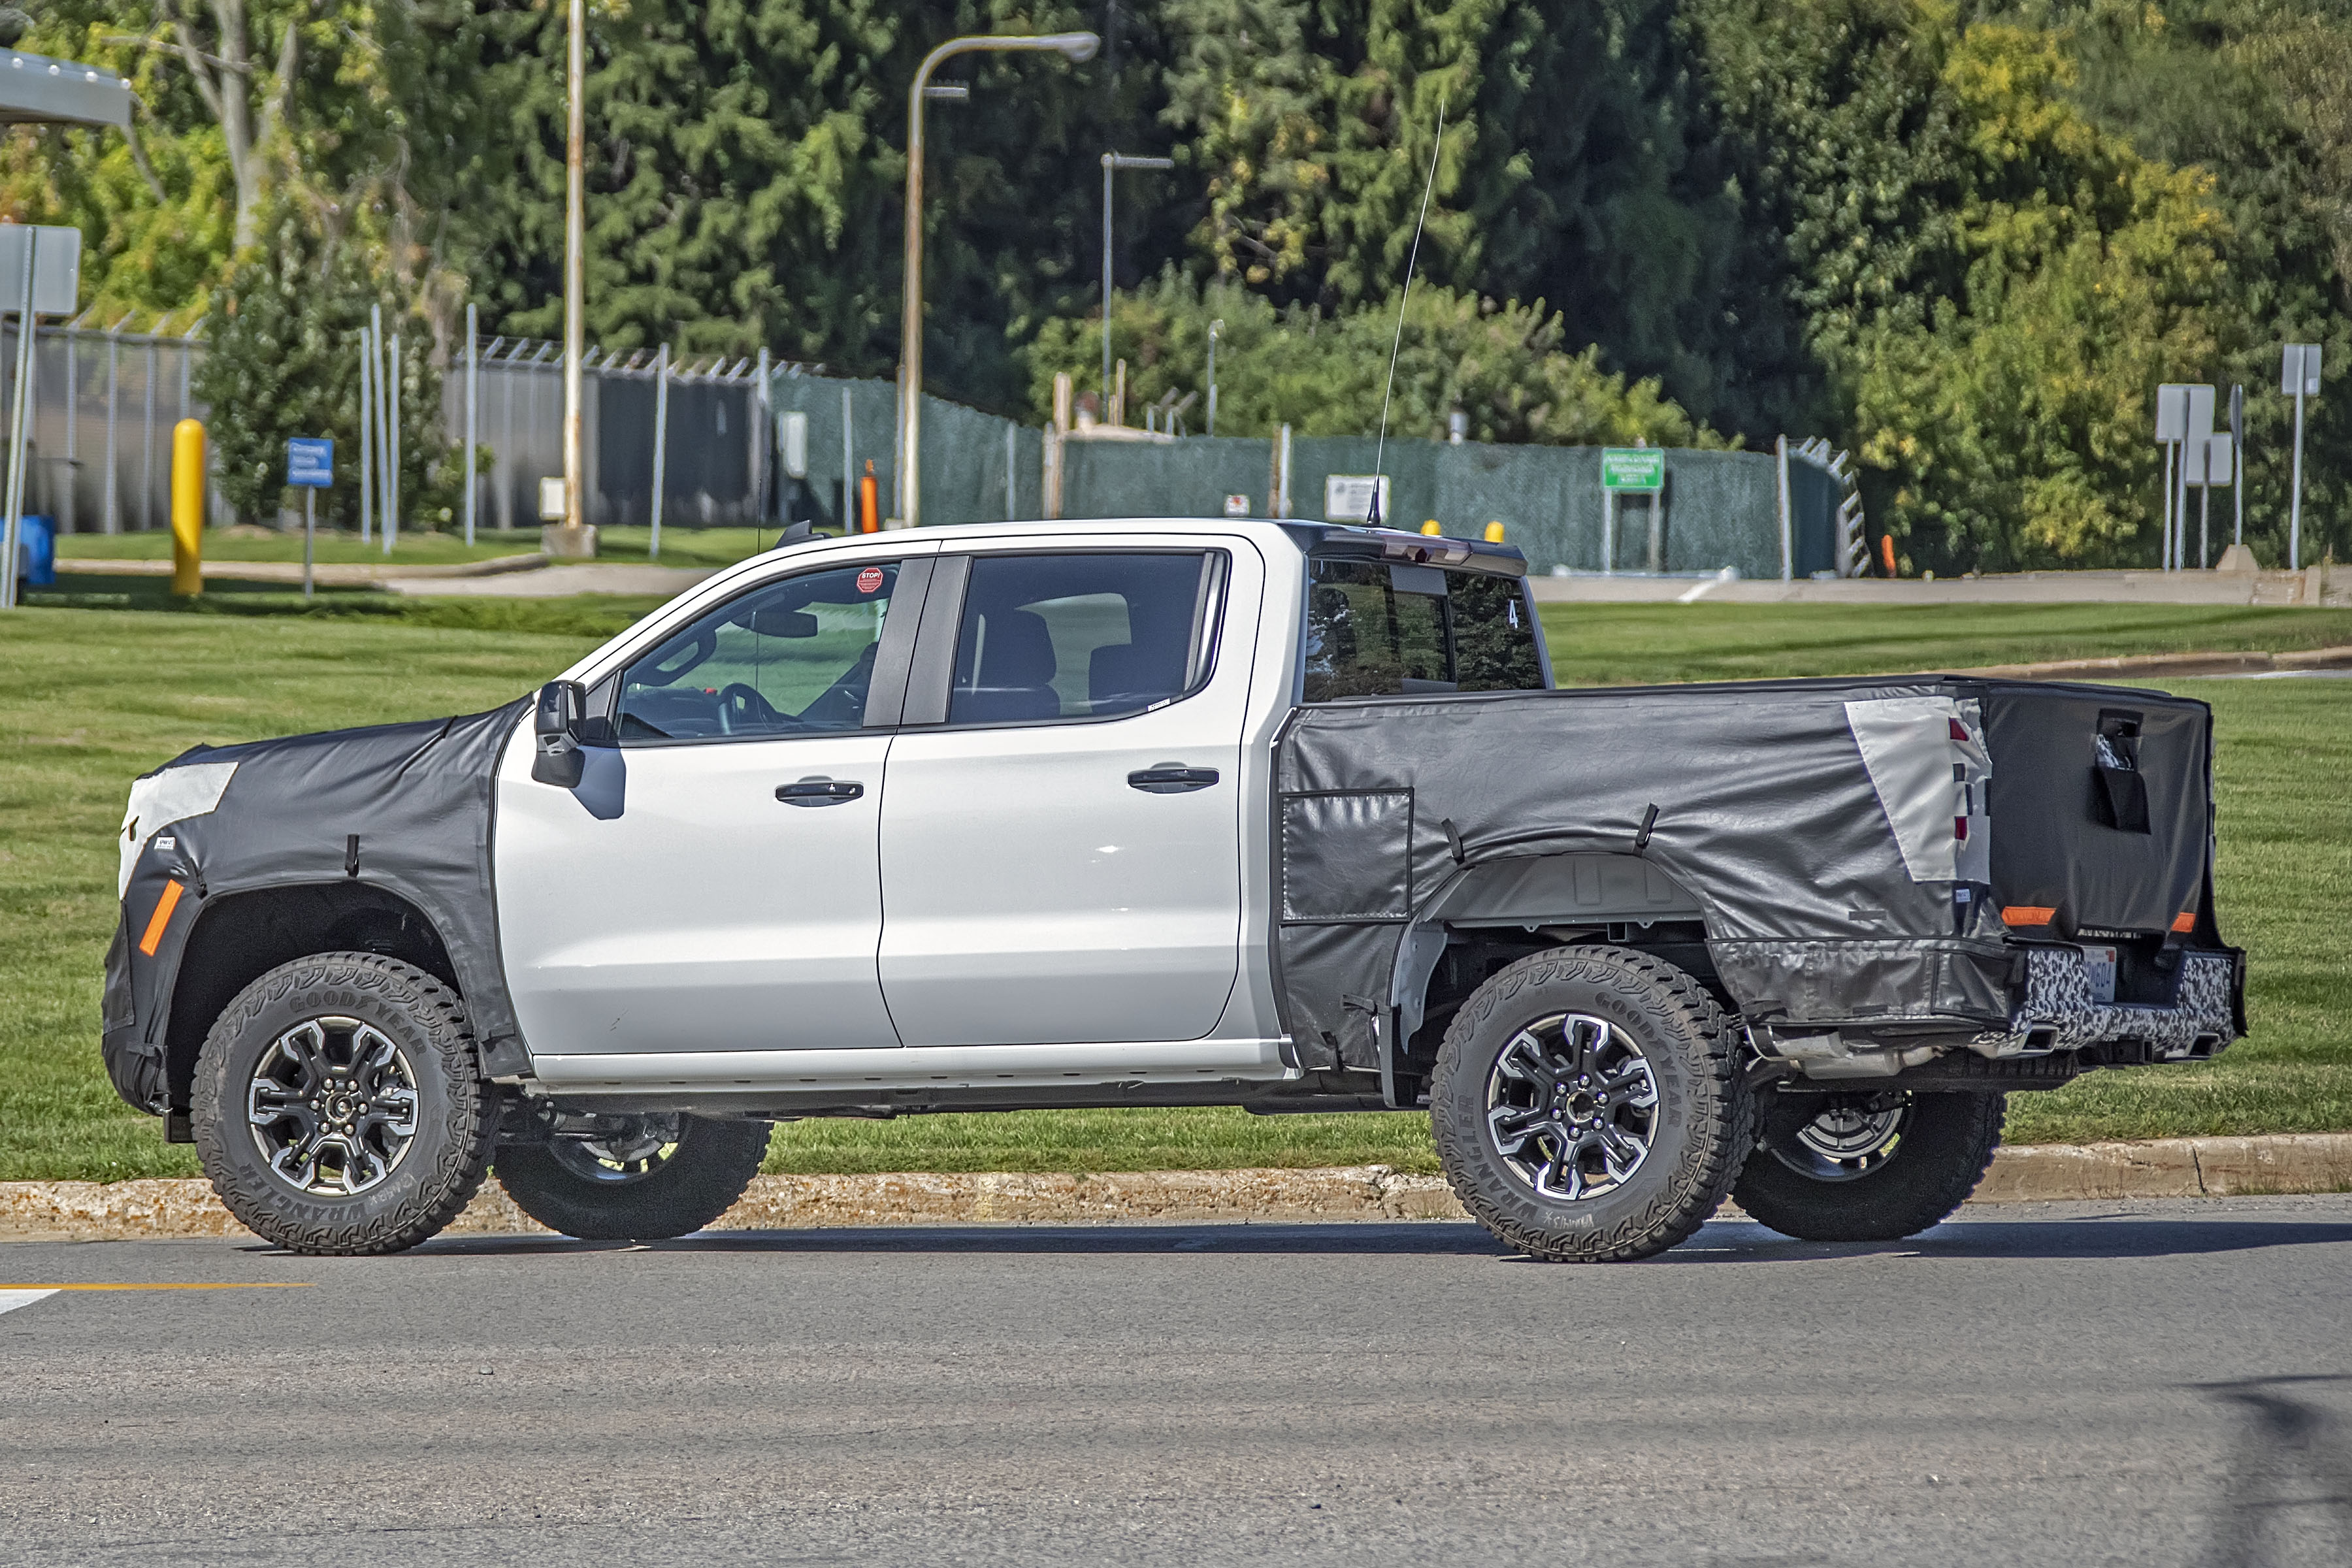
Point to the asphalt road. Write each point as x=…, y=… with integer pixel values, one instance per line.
x=2141, y=1383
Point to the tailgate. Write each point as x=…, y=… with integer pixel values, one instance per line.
x=2102, y=809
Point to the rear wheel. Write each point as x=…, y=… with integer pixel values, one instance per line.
x=634, y=1178
x=1585, y=1105
x=1867, y=1167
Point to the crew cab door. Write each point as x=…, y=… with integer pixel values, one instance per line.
x=712, y=884
x=1061, y=827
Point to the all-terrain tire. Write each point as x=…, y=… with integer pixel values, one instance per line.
x=440, y=1164
x=1695, y=1134
x=713, y=1163
x=1940, y=1151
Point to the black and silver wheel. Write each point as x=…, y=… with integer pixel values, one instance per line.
x=1585, y=1105
x=632, y=1178
x=337, y=1107
x=1866, y=1166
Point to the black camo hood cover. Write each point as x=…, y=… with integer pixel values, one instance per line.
x=405, y=808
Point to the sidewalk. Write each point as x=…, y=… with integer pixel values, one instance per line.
x=2041, y=1172
x=2312, y=587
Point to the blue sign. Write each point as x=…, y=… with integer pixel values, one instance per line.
x=310, y=461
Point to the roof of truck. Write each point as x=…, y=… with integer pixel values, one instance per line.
x=1322, y=538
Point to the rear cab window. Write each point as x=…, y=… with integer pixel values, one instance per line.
x=1389, y=628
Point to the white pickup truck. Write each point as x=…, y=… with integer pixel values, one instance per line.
x=1159, y=813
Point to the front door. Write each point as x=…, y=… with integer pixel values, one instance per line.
x=1060, y=857
x=712, y=884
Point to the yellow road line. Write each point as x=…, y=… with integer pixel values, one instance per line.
x=264, y=1285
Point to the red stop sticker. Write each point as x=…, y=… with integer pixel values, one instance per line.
x=869, y=579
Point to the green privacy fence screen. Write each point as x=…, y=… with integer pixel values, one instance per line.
x=1718, y=508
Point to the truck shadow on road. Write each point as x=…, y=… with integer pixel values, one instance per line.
x=1720, y=1242
x=2287, y=1497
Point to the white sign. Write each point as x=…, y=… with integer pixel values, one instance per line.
x=792, y=435
x=56, y=281
x=2299, y=373
x=551, y=499
x=1237, y=506
x=2221, y=463
x=1348, y=498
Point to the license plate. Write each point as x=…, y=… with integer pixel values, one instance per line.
x=2099, y=962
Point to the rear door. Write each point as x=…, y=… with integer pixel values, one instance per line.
x=1062, y=818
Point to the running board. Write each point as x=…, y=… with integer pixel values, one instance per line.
x=910, y=1068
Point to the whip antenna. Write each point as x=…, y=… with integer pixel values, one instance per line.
x=1380, y=448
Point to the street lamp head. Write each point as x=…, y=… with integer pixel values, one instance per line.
x=1079, y=48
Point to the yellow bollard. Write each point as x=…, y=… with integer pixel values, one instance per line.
x=188, y=507
x=1431, y=528
x=1495, y=534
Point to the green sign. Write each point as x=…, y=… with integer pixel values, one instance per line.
x=1632, y=469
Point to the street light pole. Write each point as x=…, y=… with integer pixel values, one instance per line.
x=1076, y=46
x=1112, y=164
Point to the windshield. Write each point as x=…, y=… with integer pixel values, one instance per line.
x=1375, y=629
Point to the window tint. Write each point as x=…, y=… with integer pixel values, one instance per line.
x=1379, y=630
x=791, y=658
x=1069, y=636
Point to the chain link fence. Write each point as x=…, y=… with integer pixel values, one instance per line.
x=743, y=443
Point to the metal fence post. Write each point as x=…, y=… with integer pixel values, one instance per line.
x=147, y=443
x=367, y=432
x=111, y=509
x=661, y=443
x=1012, y=457
x=472, y=408
x=1787, y=522
x=392, y=441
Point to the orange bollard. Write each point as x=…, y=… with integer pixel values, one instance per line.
x=188, y=508
x=869, y=501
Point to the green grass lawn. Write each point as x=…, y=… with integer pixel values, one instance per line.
x=94, y=696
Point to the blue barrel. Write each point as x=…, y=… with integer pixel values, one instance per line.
x=36, y=552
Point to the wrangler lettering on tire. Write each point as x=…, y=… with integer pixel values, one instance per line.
x=1586, y=1105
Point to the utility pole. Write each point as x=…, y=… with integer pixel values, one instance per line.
x=1077, y=47
x=1112, y=164
x=573, y=541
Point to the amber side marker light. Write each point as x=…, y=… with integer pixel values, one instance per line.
x=153, y=934
x=2027, y=915
x=2185, y=922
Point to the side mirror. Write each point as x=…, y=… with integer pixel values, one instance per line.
x=557, y=758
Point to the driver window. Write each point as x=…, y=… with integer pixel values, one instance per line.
x=794, y=658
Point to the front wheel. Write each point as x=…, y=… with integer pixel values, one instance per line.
x=1867, y=1167
x=1586, y=1105
x=634, y=1178
x=337, y=1105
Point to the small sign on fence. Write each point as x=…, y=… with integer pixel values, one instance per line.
x=1348, y=498
x=309, y=462
x=1237, y=506
x=1632, y=467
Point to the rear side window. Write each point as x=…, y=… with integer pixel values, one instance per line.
x=1375, y=629
x=1059, y=636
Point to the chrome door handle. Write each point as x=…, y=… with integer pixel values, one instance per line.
x=819, y=792
x=1171, y=778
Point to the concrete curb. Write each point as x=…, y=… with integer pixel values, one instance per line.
x=2171, y=664
x=2167, y=1168
x=326, y=573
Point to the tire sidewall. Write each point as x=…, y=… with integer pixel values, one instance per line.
x=1678, y=1165
x=415, y=1199
x=714, y=1163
